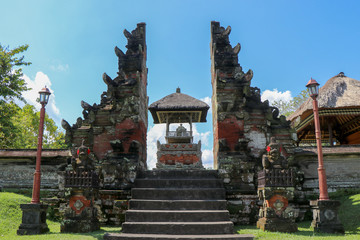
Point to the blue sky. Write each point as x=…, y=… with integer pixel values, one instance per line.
x=283, y=42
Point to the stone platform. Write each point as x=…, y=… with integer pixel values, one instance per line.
x=178, y=204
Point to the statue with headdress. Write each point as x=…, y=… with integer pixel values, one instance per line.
x=273, y=158
x=82, y=183
x=276, y=191
x=82, y=160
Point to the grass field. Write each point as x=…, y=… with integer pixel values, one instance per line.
x=10, y=219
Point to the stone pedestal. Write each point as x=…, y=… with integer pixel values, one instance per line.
x=33, y=219
x=179, y=155
x=80, y=215
x=276, y=190
x=325, y=216
x=276, y=215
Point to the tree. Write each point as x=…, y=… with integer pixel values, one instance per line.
x=19, y=126
x=11, y=82
x=26, y=123
x=7, y=129
x=11, y=87
x=287, y=108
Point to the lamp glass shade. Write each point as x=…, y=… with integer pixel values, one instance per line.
x=313, y=88
x=44, y=95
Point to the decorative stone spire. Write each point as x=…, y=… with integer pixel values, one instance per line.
x=341, y=74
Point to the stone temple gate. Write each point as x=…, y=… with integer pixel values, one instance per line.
x=115, y=132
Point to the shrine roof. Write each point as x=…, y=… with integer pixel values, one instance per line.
x=338, y=92
x=179, y=102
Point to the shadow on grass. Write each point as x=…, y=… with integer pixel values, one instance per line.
x=96, y=234
x=349, y=213
x=304, y=231
x=100, y=234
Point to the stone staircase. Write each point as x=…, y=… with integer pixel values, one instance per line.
x=178, y=204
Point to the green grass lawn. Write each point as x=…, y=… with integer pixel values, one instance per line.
x=349, y=215
x=10, y=219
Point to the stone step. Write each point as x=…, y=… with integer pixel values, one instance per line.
x=129, y=236
x=177, y=204
x=178, y=174
x=176, y=216
x=178, y=193
x=178, y=228
x=178, y=183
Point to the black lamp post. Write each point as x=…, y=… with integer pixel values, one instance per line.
x=325, y=217
x=34, y=214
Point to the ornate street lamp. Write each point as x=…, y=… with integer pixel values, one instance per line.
x=313, y=89
x=44, y=98
x=325, y=217
x=34, y=214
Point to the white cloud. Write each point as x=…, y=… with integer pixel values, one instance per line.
x=60, y=67
x=207, y=100
x=41, y=80
x=275, y=95
x=208, y=158
x=157, y=132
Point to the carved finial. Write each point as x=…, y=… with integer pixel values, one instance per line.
x=85, y=105
x=227, y=31
x=249, y=75
x=341, y=74
x=127, y=34
x=237, y=48
x=107, y=79
x=65, y=125
x=119, y=53
x=178, y=90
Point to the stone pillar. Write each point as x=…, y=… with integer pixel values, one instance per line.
x=80, y=214
x=115, y=130
x=242, y=124
x=276, y=185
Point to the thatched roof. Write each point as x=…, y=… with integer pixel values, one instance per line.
x=179, y=102
x=338, y=92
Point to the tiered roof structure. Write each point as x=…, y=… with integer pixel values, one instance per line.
x=339, y=112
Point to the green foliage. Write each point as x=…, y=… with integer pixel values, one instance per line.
x=8, y=131
x=11, y=82
x=24, y=130
x=19, y=127
x=287, y=108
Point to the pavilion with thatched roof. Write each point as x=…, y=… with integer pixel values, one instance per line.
x=178, y=108
x=179, y=149
x=339, y=112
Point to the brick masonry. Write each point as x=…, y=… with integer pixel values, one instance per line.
x=242, y=125
x=115, y=130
